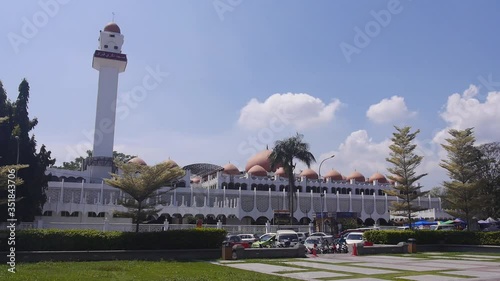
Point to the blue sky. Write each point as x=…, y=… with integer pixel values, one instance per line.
x=434, y=62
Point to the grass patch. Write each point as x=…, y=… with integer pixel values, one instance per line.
x=130, y=270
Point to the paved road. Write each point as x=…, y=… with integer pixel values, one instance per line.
x=435, y=267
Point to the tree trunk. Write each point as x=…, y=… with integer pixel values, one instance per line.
x=290, y=198
x=137, y=217
x=409, y=208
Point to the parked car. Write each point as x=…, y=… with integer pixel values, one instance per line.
x=323, y=236
x=247, y=238
x=354, y=237
x=310, y=241
x=267, y=240
x=232, y=240
x=302, y=236
x=286, y=238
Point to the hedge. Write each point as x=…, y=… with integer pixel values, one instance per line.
x=433, y=237
x=86, y=240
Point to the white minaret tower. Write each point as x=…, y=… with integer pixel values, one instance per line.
x=109, y=61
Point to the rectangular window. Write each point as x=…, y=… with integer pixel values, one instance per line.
x=111, y=35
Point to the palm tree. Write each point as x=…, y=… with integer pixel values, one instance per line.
x=141, y=181
x=283, y=154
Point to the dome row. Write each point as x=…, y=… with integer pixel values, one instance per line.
x=259, y=165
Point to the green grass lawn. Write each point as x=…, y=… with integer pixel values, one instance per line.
x=130, y=270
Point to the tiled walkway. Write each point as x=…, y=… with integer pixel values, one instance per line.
x=437, y=267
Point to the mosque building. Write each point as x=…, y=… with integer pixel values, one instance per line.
x=209, y=191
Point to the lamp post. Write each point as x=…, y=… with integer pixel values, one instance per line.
x=321, y=191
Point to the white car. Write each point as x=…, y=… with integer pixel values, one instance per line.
x=322, y=235
x=250, y=238
x=354, y=237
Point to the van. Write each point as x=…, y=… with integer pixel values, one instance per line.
x=285, y=236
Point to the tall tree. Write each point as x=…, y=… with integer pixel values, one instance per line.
x=7, y=152
x=284, y=153
x=35, y=179
x=404, y=163
x=463, y=167
x=489, y=179
x=141, y=182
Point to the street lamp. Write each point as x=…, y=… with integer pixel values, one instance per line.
x=321, y=191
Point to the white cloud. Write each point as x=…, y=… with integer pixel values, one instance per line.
x=466, y=111
x=361, y=153
x=389, y=110
x=300, y=111
x=357, y=152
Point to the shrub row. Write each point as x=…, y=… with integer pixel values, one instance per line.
x=433, y=237
x=83, y=240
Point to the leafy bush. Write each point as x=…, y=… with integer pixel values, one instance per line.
x=433, y=237
x=84, y=240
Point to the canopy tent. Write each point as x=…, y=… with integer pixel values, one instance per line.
x=424, y=222
x=455, y=221
x=490, y=220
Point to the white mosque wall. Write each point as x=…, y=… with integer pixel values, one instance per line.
x=214, y=198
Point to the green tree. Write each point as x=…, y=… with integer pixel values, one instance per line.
x=404, y=163
x=77, y=164
x=489, y=179
x=141, y=182
x=463, y=167
x=7, y=178
x=15, y=133
x=284, y=153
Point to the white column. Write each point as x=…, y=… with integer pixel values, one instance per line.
x=102, y=193
x=350, y=201
x=312, y=202
x=362, y=202
x=255, y=198
x=81, y=193
x=338, y=201
x=224, y=197
x=62, y=192
x=191, y=195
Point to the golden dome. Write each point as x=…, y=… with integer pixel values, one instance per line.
x=357, y=176
x=137, y=160
x=280, y=172
x=334, y=175
x=230, y=169
x=379, y=177
x=309, y=174
x=261, y=159
x=112, y=27
x=258, y=171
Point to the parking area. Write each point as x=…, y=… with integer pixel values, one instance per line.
x=432, y=266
